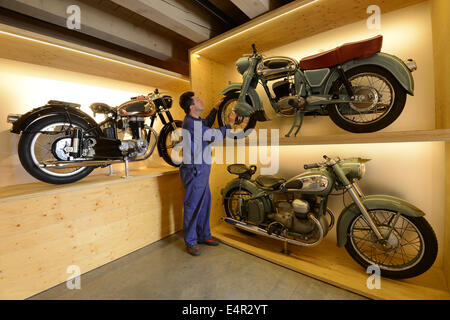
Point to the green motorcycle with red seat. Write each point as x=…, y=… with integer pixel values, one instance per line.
x=359, y=87
x=375, y=230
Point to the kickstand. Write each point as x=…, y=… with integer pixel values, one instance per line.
x=111, y=171
x=298, y=121
x=127, y=175
x=285, y=246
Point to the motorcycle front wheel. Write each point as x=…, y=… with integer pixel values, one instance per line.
x=44, y=140
x=243, y=125
x=169, y=143
x=410, y=246
x=383, y=100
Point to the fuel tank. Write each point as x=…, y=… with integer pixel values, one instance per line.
x=141, y=107
x=314, y=181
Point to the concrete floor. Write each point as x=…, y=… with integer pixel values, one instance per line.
x=163, y=270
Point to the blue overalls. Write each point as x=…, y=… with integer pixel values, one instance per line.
x=194, y=173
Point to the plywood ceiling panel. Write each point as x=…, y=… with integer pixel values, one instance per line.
x=290, y=23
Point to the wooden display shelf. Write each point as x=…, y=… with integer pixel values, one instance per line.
x=37, y=189
x=331, y=264
x=376, y=137
x=22, y=45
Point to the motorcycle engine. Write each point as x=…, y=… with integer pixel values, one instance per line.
x=287, y=102
x=294, y=216
x=118, y=147
x=138, y=145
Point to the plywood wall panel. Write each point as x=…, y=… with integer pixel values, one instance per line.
x=440, y=12
x=87, y=228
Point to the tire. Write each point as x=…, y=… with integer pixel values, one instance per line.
x=28, y=157
x=228, y=210
x=421, y=262
x=223, y=110
x=395, y=108
x=163, y=148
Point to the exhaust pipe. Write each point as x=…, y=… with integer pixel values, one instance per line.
x=96, y=163
x=77, y=164
x=263, y=232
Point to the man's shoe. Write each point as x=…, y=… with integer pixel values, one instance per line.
x=193, y=250
x=209, y=242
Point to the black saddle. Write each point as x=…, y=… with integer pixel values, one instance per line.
x=100, y=107
x=270, y=182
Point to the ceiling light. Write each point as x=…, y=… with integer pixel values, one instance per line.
x=93, y=55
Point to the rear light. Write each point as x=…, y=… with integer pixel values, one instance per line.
x=12, y=118
x=411, y=64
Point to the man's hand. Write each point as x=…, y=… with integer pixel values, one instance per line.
x=232, y=118
x=218, y=104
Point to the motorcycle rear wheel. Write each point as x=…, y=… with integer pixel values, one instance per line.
x=35, y=146
x=232, y=206
x=411, y=247
x=356, y=116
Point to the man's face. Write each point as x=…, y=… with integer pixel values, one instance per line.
x=198, y=104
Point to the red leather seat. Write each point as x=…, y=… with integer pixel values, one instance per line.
x=348, y=51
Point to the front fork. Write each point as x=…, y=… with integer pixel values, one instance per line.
x=356, y=194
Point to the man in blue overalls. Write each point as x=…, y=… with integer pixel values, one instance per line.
x=195, y=170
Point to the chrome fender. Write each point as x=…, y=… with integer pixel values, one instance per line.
x=372, y=203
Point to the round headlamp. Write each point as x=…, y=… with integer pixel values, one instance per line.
x=361, y=170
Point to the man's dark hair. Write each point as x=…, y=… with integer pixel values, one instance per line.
x=186, y=101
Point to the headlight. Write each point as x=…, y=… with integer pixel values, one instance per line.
x=361, y=170
x=242, y=64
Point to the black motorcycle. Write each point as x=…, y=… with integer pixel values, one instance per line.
x=62, y=144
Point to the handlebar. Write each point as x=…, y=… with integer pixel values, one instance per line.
x=328, y=161
x=311, y=166
x=255, y=51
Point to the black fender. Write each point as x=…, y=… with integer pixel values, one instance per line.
x=253, y=188
x=52, y=109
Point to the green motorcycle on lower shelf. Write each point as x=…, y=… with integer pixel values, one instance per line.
x=376, y=230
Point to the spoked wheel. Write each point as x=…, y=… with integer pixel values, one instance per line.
x=380, y=100
x=243, y=125
x=169, y=143
x=233, y=203
x=46, y=140
x=409, y=249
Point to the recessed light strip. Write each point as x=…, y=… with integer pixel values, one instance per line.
x=305, y=3
x=92, y=55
